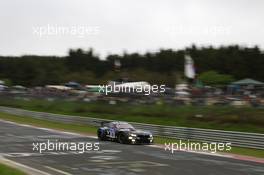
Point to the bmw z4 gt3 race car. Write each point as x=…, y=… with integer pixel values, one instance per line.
x=123, y=132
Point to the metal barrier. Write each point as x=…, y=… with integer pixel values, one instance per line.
x=240, y=139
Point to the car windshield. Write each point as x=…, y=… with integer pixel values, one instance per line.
x=125, y=126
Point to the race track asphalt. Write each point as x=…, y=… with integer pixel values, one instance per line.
x=112, y=158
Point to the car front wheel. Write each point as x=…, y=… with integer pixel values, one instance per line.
x=121, y=138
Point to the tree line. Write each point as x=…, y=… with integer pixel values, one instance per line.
x=165, y=66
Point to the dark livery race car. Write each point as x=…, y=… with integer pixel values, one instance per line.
x=123, y=132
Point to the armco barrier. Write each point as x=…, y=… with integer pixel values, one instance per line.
x=240, y=139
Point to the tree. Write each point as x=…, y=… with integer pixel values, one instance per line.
x=164, y=66
x=215, y=79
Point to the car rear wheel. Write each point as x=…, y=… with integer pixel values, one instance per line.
x=101, y=135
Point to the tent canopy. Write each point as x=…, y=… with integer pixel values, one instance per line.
x=247, y=81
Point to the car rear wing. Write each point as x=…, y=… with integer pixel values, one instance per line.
x=102, y=123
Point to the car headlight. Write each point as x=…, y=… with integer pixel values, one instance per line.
x=150, y=135
x=133, y=135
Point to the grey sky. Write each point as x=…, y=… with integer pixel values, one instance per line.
x=113, y=26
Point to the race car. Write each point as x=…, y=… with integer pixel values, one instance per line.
x=124, y=133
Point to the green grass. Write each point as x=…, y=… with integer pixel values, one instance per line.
x=245, y=119
x=48, y=124
x=84, y=129
x=6, y=170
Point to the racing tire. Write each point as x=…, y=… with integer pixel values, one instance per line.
x=121, y=138
x=101, y=135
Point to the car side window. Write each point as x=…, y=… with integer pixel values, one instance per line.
x=111, y=125
x=114, y=125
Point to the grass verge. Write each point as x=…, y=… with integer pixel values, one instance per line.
x=245, y=119
x=48, y=124
x=84, y=129
x=6, y=170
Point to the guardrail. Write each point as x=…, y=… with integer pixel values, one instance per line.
x=240, y=139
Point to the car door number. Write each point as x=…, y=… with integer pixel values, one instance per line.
x=111, y=133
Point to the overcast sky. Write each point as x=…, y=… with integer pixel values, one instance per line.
x=51, y=27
